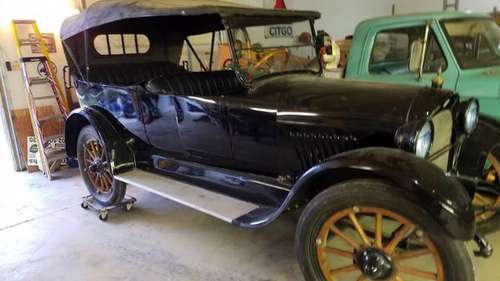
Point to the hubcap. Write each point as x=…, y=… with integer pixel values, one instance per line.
x=374, y=263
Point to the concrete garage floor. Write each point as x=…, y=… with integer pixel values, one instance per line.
x=45, y=235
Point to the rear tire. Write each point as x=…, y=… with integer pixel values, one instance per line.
x=99, y=180
x=358, y=197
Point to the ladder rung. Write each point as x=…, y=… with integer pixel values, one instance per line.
x=36, y=80
x=51, y=117
x=44, y=97
x=24, y=21
x=56, y=155
x=33, y=59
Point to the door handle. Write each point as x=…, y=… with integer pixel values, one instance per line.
x=178, y=110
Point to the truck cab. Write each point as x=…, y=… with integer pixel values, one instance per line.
x=464, y=46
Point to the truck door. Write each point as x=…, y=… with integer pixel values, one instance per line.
x=388, y=55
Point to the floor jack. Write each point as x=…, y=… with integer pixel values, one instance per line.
x=89, y=201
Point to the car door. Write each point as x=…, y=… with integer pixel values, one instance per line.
x=254, y=134
x=159, y=116
x=188, y=125
x=203, y=129
x=388, y=56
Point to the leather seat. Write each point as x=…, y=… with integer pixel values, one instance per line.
x=196, y=83
x=130, y=74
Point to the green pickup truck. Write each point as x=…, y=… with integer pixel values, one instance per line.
x=455, y=50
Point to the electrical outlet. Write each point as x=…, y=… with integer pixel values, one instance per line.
x=12, y=65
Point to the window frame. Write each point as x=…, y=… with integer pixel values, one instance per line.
x=448, y=40
x=123, y=47
x=433, y=33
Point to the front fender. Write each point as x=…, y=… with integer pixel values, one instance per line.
x=111, y=132
x=444, y=198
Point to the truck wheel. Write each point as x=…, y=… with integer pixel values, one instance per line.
x=367, y=230
x=96, y=170
x=487, y=204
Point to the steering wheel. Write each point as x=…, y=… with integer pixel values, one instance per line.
x=228, y=63
x=267, y=57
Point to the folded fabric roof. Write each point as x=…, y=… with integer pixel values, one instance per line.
x=103, y=12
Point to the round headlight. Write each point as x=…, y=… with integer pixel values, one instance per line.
x=471, y=116
x=424, y=140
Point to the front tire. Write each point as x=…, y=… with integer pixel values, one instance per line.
x=367, y=230
x=96, y=169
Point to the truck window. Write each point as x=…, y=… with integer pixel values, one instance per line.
x=391, y=51
x=475, y=42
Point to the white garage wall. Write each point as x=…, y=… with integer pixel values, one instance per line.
x=412, y=6
x=339, y=17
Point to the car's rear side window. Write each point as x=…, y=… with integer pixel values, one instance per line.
x=121, y=44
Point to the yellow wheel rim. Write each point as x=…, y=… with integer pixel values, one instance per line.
x=348, y=232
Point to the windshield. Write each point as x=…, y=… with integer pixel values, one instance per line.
x=475, y=42
x=268, y=49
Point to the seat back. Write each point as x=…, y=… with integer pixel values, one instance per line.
x=130, y=74
x=196, y=83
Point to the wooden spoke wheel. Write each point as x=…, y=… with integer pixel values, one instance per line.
x=487, y=204
x=366, y=243
x=96, y=170
x=97, y=167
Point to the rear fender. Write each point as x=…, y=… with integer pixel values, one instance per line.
x=111, y=132
x=445, y=199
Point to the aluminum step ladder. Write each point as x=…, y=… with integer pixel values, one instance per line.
x=50, y=147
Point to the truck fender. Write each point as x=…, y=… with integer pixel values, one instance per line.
x=485, y=139
x=445, y=199
x=111, y=132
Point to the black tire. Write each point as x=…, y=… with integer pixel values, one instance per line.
x=456, y=260
x=118, y=188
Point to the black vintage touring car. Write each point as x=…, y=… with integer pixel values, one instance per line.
x=203, y=103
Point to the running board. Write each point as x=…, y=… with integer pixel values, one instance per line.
x=212, y=203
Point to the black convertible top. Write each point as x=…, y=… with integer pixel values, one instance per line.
x=107, y=11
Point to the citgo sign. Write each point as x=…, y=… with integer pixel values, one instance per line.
x=279, y=31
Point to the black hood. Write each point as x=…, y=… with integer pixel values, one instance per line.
x=316, y=100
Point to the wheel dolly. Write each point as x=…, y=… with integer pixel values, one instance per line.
x=89, y=201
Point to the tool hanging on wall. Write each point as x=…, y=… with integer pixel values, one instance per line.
x=50, y=147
